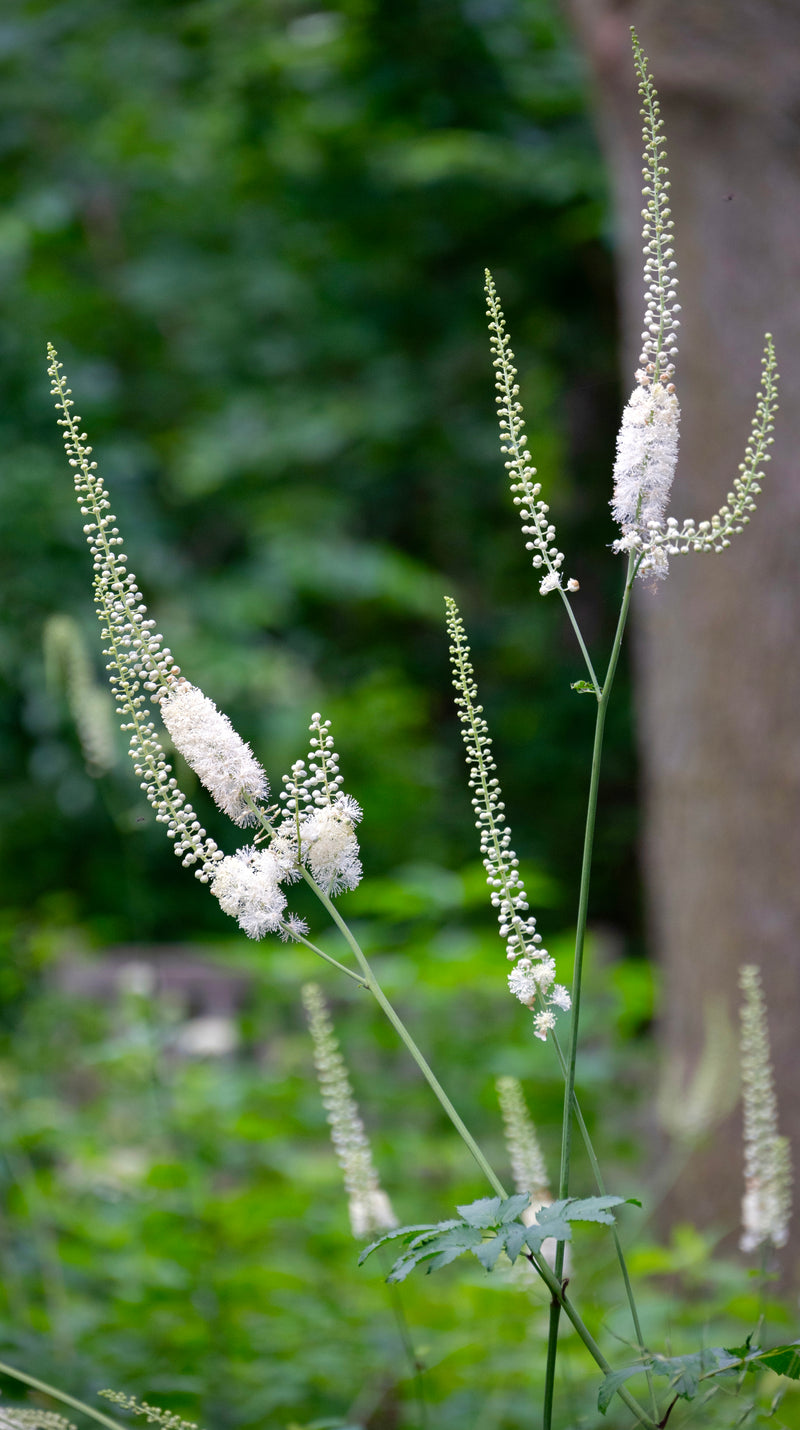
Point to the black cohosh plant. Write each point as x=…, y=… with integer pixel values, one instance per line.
x=309, y=834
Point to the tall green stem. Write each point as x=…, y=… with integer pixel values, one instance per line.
x=553, y=1282
x=580, y=937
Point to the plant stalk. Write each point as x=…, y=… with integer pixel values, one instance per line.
x=580, y=938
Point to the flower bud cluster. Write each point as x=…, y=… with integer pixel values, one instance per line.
x=532, y=979
x=766, y=1204
x=318, y=827
x=659, y=337
x=672, y=538
x=138, y=660
x=369, y=1207
x=537, y=526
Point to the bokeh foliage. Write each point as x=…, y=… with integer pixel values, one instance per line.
x=256, y=233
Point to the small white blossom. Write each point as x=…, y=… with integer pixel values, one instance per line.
x=330, y=847
x=544, y=1023
x=247, y=885
x=560, y=997
x=550, y=582
x=211, y=747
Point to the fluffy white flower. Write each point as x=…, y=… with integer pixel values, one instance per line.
x=329, y=845
x=647, y=454
x=550, y=582
x=248, y=888
x=560, y=997
x=523, y=983
x=543, y=1023
x=211, y=747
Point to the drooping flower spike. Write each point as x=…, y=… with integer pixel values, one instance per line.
x=532, y=979
x=318, y=828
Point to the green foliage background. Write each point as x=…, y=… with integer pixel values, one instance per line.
x=256, y=232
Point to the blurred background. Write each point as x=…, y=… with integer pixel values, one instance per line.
x=256, y=232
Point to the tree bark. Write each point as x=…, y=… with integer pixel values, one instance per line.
x=718, y=667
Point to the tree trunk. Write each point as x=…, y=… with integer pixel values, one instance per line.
x=718, y=666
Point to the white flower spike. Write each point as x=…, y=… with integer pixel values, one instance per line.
x=532, y=979
x=369, y=1207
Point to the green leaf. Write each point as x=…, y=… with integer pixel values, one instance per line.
x=481, y=1213
x=611, y=1384
x=393, y=1236
x=488, y=1251
x=515, y=1240
x=583, y=687
x=513, y=1207
x=592, y=1209
x=557, y=1229
x=783, y=1360
x=683, y=1372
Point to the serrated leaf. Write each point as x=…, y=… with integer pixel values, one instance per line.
x=611, y=1384
x=482, y=1213
x=592, y=1209
x=488, y=1251
x=558, y=1229
x=784, y=1360
x=513, y=1207
x=450, y=1253
x=428, y=1233
x=683, y=1372
x=393, y=1236
x=515, y=1240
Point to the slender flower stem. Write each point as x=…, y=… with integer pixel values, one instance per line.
x=398, y=1024
x=580, y=937
x=61, y=1395
x=601, y=1187
x=356, y=977
x=554, y=1284
x=568, y=608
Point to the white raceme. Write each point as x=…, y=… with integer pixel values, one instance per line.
x=766, y=1203
x=369, y=1207
x=211, y=747
x=647, y=454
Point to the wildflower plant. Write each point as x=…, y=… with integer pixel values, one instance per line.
x=309, y=834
